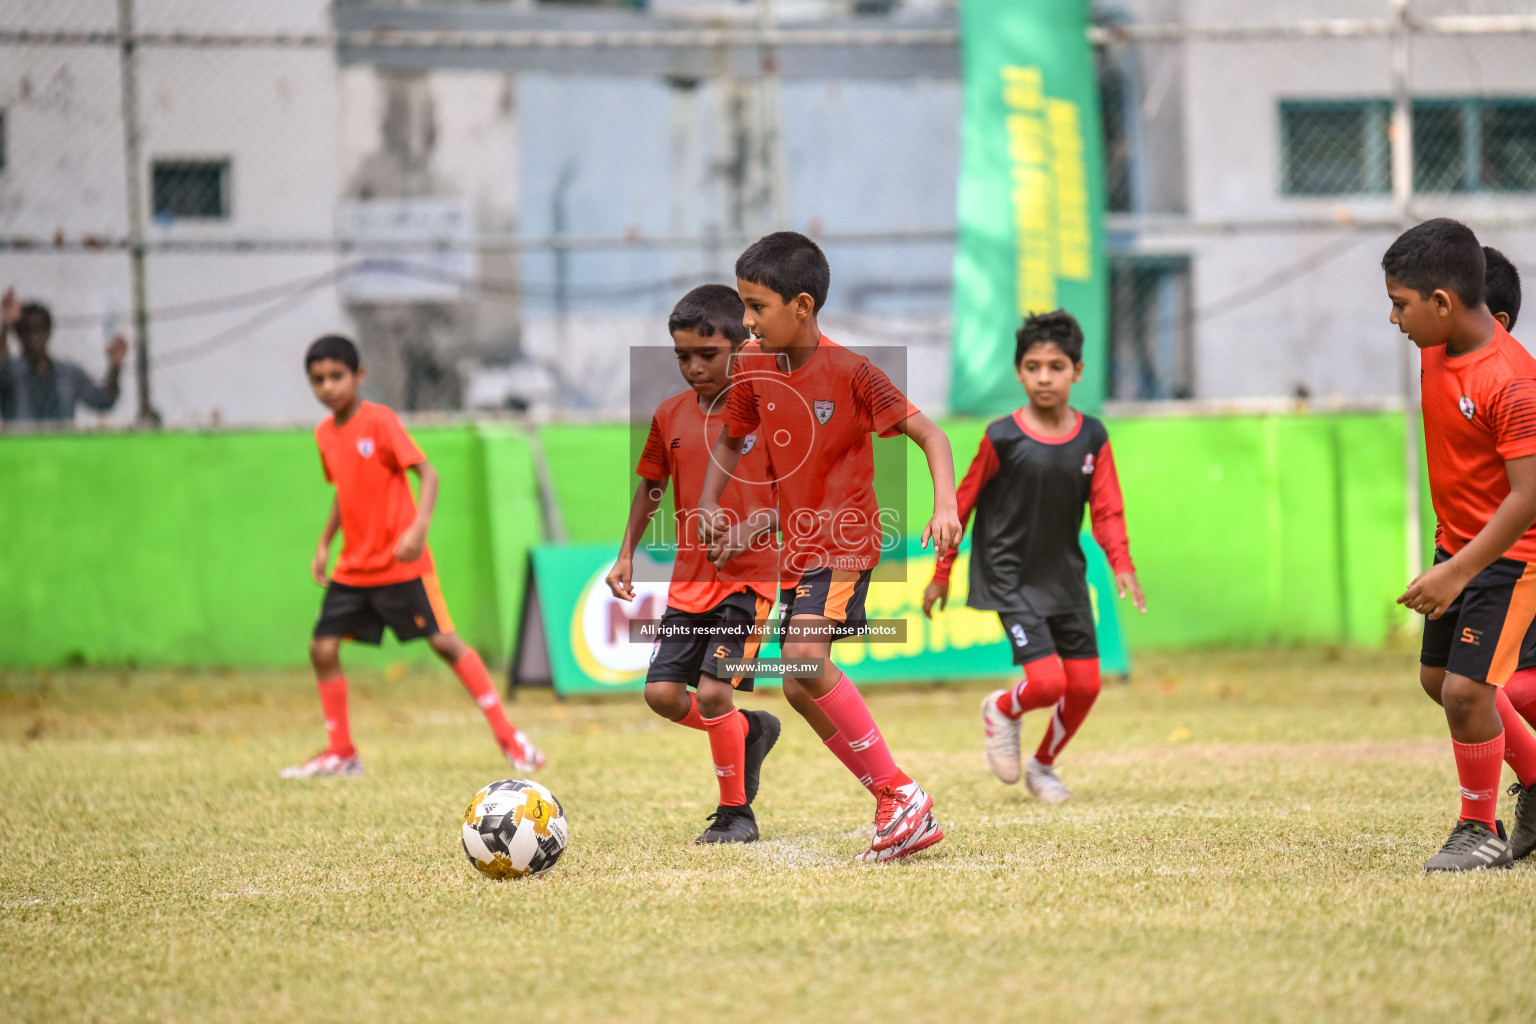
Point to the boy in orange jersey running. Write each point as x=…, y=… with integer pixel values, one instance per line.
x=815, y=404
x=1479, y=597
x=1035, y=471
x=720, y=612
x=385, y=575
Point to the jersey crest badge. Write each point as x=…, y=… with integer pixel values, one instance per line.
x=748, y=443
x=1088, y=464
x=824, y=411
x=1468, y=408
x=365, y=447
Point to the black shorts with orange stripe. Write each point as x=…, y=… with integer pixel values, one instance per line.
x=835, y=594
x=732, y=629
x=412, y=609
x=1489, y=631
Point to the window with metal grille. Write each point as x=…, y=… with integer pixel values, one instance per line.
x=1474, y=145
x=189, y=189
x=1151, y=328
x=1336, y=148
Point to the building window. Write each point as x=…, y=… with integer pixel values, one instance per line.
x=1151, y=335
x=1336, y=148
x=1474, y=145
x=1117, y=101
x=190, y=188
x=2, y=142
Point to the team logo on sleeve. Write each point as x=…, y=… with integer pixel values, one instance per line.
x=365, y=447
x=1468, y=408
x=824, y=411
x=748, y=443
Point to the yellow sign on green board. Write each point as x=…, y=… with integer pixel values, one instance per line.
x=581, y=632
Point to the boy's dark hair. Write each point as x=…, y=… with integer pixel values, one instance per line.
x=790, y=264
x=1440, y=253
x=1057, y=326
x=1502, y=284
x=32, y=313
x=332, y=346
x=710, y=309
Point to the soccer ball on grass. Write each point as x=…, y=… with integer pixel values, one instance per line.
x=514, y=828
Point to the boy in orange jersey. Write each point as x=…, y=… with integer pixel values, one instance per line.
x=815, y=404
x=385, y=575
x=1479, y=597
x=720, y=611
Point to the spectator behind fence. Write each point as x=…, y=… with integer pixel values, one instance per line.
x=34, y=385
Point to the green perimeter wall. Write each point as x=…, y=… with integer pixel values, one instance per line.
x=193, y=548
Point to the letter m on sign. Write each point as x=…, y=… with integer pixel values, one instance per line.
x=619, y=617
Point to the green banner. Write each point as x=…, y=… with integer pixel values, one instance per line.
x=1031, y=202
x=585, y=630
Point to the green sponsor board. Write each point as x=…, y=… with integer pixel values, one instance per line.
x=1031, y=198
x=575, y=634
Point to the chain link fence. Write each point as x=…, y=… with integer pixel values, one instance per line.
x=499, y=199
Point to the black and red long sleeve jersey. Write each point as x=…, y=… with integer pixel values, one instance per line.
x=1028, y=493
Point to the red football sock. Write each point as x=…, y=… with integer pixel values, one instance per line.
x=333, y=701
x=853, y=762
x=846, y=709
x=1478, y=765
x=1044, y=683
x=728, y=748
x=693, y=719
x=1083, y=687
x=1521, y=691
x=471, y=672
x=1519, y=744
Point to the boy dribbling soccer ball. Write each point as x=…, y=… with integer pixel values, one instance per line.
x=385, y=575
x=815, y=404
x=1034, y=473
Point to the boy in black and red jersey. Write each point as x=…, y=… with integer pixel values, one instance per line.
x=815, y=403
x=1479, y=597
x=717, y=613
x=1035, y=471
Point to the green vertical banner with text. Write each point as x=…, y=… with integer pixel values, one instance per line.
x=1031, y=202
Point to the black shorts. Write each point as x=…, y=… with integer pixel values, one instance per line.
x=1487, y=632
x=412, y=609
x=738, y=625
x=834, y=594
x=1070, y=634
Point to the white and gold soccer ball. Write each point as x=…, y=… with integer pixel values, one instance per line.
x=514, y=829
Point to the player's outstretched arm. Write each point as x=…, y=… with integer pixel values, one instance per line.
x=982, y=469
x=647, y=500
x=723, y=459
x=322, y=557
x=1432, y=592
x=414, y=540
x=1106, y=510
x=944, y=528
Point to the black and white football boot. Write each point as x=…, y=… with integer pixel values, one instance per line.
x=1472, y=847
x=762, y=733
x=729, y=825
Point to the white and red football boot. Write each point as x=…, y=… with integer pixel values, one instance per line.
x=326, y=762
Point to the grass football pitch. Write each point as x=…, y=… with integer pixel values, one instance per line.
x=1245, y=846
